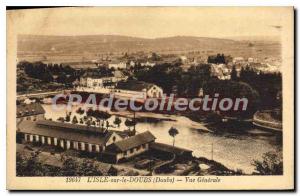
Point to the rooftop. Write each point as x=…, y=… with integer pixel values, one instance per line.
x=132, y=142
x=133, y=85
x=95, y=74
x=66, y=131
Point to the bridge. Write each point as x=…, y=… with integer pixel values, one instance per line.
x=41, y=95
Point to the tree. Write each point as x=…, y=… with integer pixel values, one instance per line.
x=107, y=125
x=233, y=73
x=237, y=90
x=88, y=168
x=173, y=132
x=70, y=167
x=217, y=59
x=98, y=115
x=74, y=121
x=30, y=166
x=80, y=111
x=272, y=164
x=117, y=121
x=61, y=119
x=155, y=57
x=68, y=118
x=88, y=123
x=130, y=123
x=21, y=164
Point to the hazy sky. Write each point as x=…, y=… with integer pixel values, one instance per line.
x=153, y=22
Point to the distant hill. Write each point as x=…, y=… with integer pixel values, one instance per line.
x=97, y=44
x=115, y=43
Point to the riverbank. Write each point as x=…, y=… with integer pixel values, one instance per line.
x=234, y=147
x=268, y=119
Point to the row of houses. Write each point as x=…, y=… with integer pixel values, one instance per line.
x=108, y=145
x=119, y=65
x=97, y=80
x=133, y=88
x=222, y=71
x=111, y=146
x=119, y=85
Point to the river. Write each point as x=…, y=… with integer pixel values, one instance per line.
x=234, y=150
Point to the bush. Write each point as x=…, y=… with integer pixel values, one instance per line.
x=272, y=164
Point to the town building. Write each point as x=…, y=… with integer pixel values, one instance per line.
x=67, y=135
x=221, y=71
x=131, y=64
x=148, y=64
x=130, y=147
x=142, y=90
x=96, y=80
x=117, y=65
x=32, y=111
x=109, y=145
x=237, y=60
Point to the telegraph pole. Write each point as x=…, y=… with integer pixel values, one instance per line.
x=212, y=151
x=134, y=122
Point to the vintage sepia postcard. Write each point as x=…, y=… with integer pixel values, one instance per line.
x=150, y=98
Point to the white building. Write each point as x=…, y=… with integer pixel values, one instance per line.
x=110, y=145
x=130, y=147
x=221, y=71
x=238, y=60
x=140, y=89
x=98, y=81
x=117, y=65
x=148, y=64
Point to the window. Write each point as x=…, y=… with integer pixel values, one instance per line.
x=131, y=150
x=93, y=148
x=138, y=148
x=114, y=138
x=144, y=146
x=72, y=145
x=125, y=153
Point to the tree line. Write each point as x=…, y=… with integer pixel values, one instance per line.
x=261, y=89
x=49, y=72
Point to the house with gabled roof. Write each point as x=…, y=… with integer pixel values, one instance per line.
x=130, y=147
x=131, y=88
x=67, y=136
x=109, y=145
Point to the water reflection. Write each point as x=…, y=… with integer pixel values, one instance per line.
x=236, y=150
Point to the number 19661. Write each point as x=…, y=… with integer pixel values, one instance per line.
x=73, y=179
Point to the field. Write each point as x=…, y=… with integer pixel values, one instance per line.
x=84, y=50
